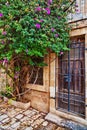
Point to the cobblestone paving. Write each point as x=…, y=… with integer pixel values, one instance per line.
x=12, y=118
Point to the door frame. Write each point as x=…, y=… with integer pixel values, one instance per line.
x=69, y=78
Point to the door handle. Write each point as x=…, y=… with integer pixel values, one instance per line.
x=67, y=78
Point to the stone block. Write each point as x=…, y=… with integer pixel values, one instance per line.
x=39, y=100
x=27, y=112
x=52, y=92
x=19, y=116
x=45, y=123
x=15, y=125
x=6, y=120
x=52, y=103
x=2, y=117
x=24, y=119
x=29, y=128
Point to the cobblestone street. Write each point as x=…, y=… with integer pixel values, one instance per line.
x=12, y=118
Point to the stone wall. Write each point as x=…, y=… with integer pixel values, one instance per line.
x=81, y=11
x=39, y=100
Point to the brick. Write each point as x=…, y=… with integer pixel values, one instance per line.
x=19, y=116
x=31, y=114
x=15, y=125
x=59, y=128
x=3, y=117
x=37, y=122
x=27, y=112
x=13, y=120
x=51, y=127
x=45, y=123
x=29, y=128
x=24, y=119
x=7, y=120
x=36, y=116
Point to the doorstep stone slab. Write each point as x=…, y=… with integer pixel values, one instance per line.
x=73, y=125
x=54, y=118
x=67, y=124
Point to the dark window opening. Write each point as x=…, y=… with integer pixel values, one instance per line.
x=36, y=73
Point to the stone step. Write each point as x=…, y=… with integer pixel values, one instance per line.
x=67, y=124
x=53, y=118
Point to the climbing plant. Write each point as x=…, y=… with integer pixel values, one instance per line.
x=29, y=30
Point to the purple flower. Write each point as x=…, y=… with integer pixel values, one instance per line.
x=59, y=17
x=2, y=41
x=17, y=72
x=16, y=76
x=61, y=53
x=4, y=33
x=77, y=10
x=56, y=35
x=5, y=61
x=76, y=5
x=41, y=20
x=50, y=1
x=1, y=15
x=38, y=25
x=1, y=61
x=52, y=29
x=48, y=10
x=38, y=8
